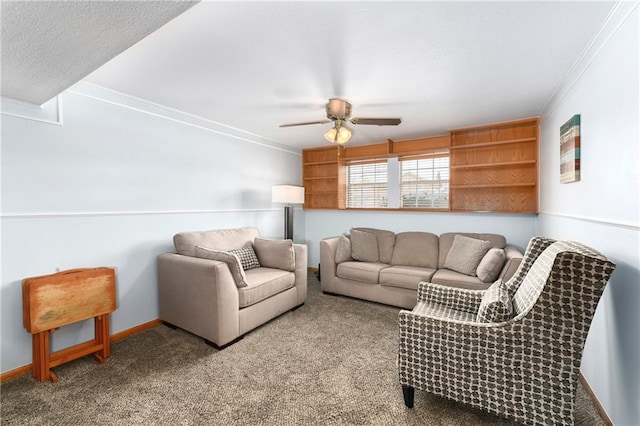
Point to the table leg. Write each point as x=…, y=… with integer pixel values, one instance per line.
x=41, y=351
x=102, y=337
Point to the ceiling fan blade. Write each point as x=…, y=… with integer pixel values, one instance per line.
x=377, y=121
x=305, y=123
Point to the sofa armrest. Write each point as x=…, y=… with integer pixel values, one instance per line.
x=460, y=299
x=198, y=295
x=328, y=267
x=512, y=262
x=301, y=272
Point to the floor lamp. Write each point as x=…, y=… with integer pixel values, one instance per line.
x=288, y=195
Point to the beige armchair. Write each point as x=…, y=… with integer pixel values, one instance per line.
x=202, y=290
x=514, y=349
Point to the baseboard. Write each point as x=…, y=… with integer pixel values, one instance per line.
x=17, y=372
x=25, y=369
x=603, y=413
x=133, y=330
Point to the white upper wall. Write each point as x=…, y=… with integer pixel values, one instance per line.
x=603, y=209
x=604, y=91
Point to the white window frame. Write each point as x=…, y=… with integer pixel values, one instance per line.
x=424, y=181
x=367, y=183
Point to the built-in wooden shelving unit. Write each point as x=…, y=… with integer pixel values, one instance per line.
x=495, y=167
x=492, y=168
x=321, y=175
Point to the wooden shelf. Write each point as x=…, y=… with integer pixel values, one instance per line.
x=321, y=177
x=493, y=143
x=321, y=193
x=493, y=185
x=317, y=163
x=492, y=165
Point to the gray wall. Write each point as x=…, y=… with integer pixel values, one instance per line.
x=603, y=208
x=102, y=179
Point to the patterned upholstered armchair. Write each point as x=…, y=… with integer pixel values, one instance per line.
x=514, y=349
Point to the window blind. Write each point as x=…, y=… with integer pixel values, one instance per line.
x=367, y=183
x=424, y=181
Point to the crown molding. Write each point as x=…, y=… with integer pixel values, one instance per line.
x=49, y=113
x=618, y=15
x=123, y=100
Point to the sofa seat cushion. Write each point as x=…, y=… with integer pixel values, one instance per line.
x=405, y=276
x=264, y=283
x=457, y=279
x=366, y=272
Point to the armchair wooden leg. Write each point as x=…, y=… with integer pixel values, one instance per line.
x=407, y=392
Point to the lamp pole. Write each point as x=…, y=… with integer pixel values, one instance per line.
x=288, y=195
x=288, y=222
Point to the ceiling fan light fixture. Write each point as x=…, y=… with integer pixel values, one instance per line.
x=331, y=135
x=339, y=111
x=344, y=134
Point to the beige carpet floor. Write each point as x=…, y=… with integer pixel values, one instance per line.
x=331, y=362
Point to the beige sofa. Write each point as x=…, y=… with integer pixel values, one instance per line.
x=404, y=260
x=216, y=299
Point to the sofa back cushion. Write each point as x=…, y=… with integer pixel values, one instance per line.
x=219, y=239
x=385, y=240
x=232, y=261
x=446, y=241
x=343, y=251
x=491, y=265
x=276, y=254
x=247, y=256
x=466, y=254
x=364, y=246
x=416, y=249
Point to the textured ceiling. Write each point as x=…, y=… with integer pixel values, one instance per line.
x=49, y=46
x=437, y=65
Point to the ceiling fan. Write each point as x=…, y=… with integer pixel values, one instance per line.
x=339, y=111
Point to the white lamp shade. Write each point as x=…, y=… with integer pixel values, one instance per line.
x=287, y=194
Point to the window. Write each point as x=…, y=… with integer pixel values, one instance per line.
x=424, y=181
x=367, y=183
